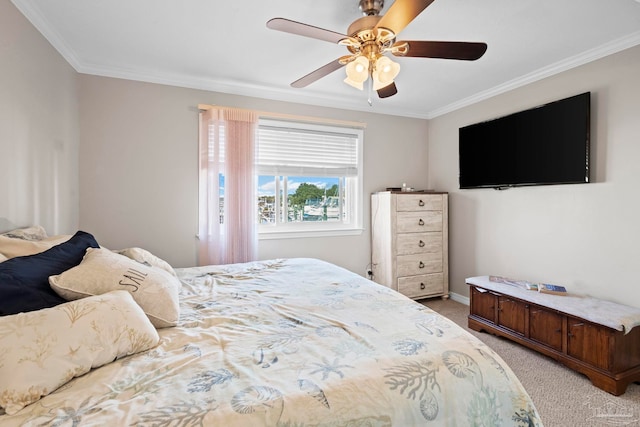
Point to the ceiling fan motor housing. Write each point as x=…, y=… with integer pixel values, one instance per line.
x=363, y=27
x=371, y=7
x=371, y=39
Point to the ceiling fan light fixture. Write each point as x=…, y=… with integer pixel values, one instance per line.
x=357, y=72
x=384, y=72
x=373, y=36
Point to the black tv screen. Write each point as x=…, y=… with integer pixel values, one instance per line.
x=548, y=144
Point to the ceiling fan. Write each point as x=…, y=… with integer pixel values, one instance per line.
x=372, y=36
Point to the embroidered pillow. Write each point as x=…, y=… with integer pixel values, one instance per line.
x=102, y=270
x=45, y=349
x=145, y=257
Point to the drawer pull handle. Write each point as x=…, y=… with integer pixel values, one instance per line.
x=421, y=244
x=421, y=222
x=420, y=203
x=422, y=286
x=421, y=265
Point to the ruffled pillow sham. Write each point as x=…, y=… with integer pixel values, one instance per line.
x=35, y=232
x=12, y=247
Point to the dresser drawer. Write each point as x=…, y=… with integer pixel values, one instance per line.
x=418, y=202
x=411, y=265
x=418, y=243
x=422, y=285
x=416, y=222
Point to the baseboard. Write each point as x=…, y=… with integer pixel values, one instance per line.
x=459, y=298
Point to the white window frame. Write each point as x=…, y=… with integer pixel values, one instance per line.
x=281, y=229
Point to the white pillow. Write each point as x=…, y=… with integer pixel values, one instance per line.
x=3, y=258
x=11, y=247
x=145, y=257
x=44, y=349
x=102, y=270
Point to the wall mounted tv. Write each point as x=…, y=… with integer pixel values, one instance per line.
x=548, y=144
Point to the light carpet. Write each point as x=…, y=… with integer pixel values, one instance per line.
x=563, y=397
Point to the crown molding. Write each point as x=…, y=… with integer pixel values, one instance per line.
x=553, y=69
x=249, y=90
x=37, y=20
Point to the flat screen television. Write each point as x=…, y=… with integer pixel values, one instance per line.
x=548, y=144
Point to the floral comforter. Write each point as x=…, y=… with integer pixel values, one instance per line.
x=295, y=342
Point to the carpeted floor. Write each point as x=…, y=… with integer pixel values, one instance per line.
x=563, y=397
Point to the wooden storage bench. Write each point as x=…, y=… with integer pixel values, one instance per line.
x=597, y=338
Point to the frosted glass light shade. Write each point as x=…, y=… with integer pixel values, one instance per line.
x=357, y=72
x=384, y=72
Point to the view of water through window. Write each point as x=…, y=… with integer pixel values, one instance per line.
x=307, y=199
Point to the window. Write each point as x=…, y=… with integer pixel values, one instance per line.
x=309, y=179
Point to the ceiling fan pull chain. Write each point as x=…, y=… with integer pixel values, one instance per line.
x=370, y=98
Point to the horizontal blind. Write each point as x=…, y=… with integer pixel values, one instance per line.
x=307, y=150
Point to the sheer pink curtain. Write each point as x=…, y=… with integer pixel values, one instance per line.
x=227, y=147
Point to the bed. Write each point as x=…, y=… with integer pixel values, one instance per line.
x=284, y=342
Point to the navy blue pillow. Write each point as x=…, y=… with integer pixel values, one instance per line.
x=24, y=281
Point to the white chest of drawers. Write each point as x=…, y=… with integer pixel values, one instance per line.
x=410, y=243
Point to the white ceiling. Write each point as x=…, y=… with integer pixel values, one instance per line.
x=225, y=46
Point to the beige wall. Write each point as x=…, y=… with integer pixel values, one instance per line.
x=38, y=129
x=582, y=236
x=138, y=168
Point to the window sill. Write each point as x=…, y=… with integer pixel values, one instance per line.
x=298, y=234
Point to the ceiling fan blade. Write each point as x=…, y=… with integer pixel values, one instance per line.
x=293, y=27
x=388, y=91
x=468, y=51
x=318, y=74
x=401, y=13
